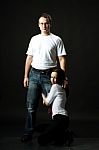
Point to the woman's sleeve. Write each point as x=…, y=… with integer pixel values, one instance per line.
x=52, y=94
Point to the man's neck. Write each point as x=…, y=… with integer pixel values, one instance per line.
x=45, y=34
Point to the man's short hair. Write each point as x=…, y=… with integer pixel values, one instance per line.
x=45, y=15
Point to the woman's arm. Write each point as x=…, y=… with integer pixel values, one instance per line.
x=45, y=100
x=51, y=95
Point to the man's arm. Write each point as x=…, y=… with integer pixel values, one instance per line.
x=63, y=63
x=63, y=66
x=27, y=69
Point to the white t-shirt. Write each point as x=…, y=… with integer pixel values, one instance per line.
x=45, y=50
x=57, y=97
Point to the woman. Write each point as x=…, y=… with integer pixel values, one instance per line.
x=57, y=132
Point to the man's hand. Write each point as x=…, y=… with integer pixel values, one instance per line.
x=65, y=84
x=26, y=82
x=66, y=87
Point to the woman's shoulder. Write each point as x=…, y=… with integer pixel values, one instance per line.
x=56, y=86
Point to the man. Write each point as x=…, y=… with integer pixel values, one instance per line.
x=44, y=52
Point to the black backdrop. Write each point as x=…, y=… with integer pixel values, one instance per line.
x=77, y=22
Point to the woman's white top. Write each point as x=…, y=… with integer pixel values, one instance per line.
x=57, y=96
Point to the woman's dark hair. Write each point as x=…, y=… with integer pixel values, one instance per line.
x=60, y=75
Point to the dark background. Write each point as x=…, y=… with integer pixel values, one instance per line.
x=77, y=23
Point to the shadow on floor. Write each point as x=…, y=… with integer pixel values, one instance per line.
x=87, y=136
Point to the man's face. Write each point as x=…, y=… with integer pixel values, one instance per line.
x=44, y=25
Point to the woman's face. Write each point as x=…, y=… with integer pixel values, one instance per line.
x=54, y=77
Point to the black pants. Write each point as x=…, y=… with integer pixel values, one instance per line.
x=54, y=133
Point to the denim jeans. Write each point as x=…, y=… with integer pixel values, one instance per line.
x=38, y=83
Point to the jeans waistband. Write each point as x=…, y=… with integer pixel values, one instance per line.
x=46, y=71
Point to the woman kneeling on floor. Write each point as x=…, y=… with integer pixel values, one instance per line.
x=57, y=132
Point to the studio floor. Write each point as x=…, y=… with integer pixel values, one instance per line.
x=13, y=143
x=87, y=136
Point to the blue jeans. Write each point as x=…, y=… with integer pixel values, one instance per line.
x=38, y=83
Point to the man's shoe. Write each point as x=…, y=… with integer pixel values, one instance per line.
x=26, y=138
